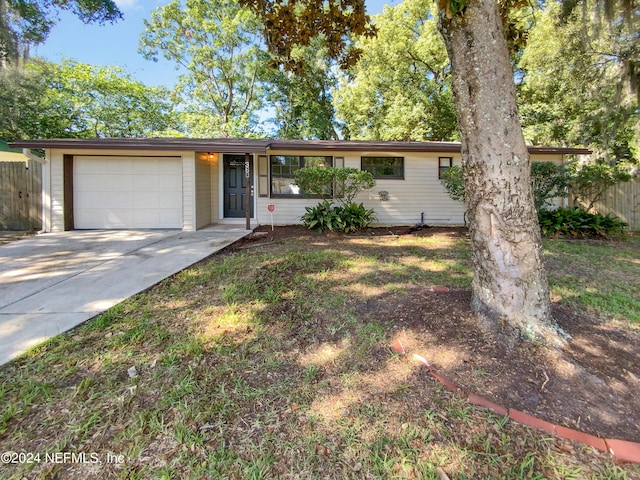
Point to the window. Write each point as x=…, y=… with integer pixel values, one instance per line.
x=384, y=167
x=444, y=164
x=283, y=169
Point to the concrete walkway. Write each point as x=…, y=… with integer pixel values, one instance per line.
x=53, y=282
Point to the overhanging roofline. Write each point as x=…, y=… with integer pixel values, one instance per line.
x=252, y=145
x=225, y=145
x=364, y=145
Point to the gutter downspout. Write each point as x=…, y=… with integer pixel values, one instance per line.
x=45, y=188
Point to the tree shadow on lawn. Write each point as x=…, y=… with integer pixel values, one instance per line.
x=276, y=363
x=590, y=385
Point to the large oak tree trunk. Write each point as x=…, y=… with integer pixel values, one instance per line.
x=510, y=288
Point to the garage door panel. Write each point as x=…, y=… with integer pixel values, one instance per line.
x=146, y=218
x=157, y=183
x=146, y=200
x=171, y=183
x=170, y=217
x=155, y=218
x=144, y=165
x=127, y=192
x=104, y=183
x=98, y=218
x=145, y=184
x=118, y=218
x=153, y=200
x=123, y=200
x=115, y=183
x=170, y=202
x=81, y=167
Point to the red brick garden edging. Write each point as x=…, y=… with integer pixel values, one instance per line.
x=621, y=450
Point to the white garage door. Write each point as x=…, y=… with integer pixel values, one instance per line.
x=127, y=192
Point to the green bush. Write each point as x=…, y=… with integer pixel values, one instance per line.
x=343, y=184
x=549, y=181
x=453, y=181
x=348, y=218
x=590, y=181
x=356, y=217
x=575, y=222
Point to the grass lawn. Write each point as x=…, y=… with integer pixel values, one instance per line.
x=273, y=362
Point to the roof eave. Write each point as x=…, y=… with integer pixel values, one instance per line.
x=262, y=145
x=145, y=144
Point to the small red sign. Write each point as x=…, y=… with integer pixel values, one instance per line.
x=271, y=207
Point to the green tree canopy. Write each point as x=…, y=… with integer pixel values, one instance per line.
x=73, y=99
x=302, y=102
x=20, y=93
x=572, y=92
x=291, y=24
x=217, y=44
x=590, y=181
x=400, y=88
x=24, y=23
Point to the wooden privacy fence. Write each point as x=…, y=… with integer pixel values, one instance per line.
x=20, y=195
x=623, y=201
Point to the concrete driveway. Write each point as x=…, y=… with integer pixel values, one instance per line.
x=52, y=282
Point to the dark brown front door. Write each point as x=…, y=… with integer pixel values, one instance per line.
x=235, y=186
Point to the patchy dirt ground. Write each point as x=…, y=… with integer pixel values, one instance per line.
x=590, y=385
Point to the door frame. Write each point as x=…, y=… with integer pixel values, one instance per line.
x=252, y=172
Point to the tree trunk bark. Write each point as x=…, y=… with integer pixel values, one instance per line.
x=510, y=287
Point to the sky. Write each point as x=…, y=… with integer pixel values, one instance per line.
x=117, y=44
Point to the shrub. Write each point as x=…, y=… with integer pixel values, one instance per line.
x=343, y=184
x=348, y=218
x=323, y=216
x=453, y=180
x=549, y=181
x=356, y=217
x=575, y=222
x=589, y=181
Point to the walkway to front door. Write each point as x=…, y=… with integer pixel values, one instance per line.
x=235, y=186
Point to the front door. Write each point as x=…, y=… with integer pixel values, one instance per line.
x=235, y=186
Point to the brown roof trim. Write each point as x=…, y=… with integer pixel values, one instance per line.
x=225, y=145
x=362, y=145
x=558, y=150
x=250, y=145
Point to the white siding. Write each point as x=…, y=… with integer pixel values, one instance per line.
x=203, y=191
x=189, y=192
x=420, y=191
x=46, y=192
x=57, y=192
